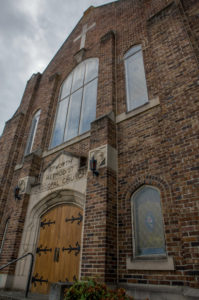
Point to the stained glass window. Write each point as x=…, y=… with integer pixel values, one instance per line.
x=32, y=132
x=136, y=88
x=77, y=102
x=148, y=222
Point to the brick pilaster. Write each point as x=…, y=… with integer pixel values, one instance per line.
x=99, y=256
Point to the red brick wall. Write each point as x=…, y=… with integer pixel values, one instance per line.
x=161, y=143
x=156, y=147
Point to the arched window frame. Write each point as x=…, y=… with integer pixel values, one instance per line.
x=4, y=235
x=78, y=81
x=136, y=86
x=32, y=132
x=155, y=253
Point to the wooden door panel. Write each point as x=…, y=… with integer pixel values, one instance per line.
x=68, y=236
x=61, y=229
x=71, y=234
x=43, y=265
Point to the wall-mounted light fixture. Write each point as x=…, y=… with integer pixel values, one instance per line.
x=16, y=193
x=93, y=166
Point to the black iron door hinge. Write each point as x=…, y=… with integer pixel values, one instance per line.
x=36, y=279
x=44, y=223
x=70, y=249
x=39, y=250
x=79, y=219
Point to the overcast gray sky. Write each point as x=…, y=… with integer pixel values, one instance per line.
x=31, y=32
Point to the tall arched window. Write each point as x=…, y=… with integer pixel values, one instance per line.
x=4, y=236
x=77, y=102
x=147, y=222
x=136, y=88
x=32, y=132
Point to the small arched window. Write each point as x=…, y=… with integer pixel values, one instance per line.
x=4, y=236
x=77, y=102
x=32, y=132
x=136, y=88
x=147, y=222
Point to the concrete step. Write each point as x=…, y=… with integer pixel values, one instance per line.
x=56, y=293
x=20, y=295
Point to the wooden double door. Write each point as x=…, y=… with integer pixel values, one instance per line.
x=58, y=248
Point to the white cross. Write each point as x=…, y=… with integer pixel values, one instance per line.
x=83, y=35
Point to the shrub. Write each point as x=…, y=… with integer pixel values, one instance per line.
x=92, y=290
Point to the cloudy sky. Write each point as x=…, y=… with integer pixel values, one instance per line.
x=31, y=32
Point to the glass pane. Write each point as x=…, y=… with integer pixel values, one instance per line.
x=60, y=123
x=148, y=222
x=78, y=76
x=4, y=236
x=135, y=80
x=32, y=132
x=73, y=115
x=66, y=87
x=91, y=70
x=132, y=51
x=88, y=106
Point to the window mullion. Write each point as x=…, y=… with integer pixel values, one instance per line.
x=69, y=97
x=80, y=117
x=66, y=117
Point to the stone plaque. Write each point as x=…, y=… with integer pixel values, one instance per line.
x=61, y=173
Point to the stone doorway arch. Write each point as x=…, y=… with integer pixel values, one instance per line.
x=32, y=223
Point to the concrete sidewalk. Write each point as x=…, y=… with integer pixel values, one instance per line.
x=16, y=295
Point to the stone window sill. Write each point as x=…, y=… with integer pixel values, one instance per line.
x=161, y=264
x=68, y=143
x=136, y=111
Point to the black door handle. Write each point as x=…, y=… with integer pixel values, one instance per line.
x=56, y=254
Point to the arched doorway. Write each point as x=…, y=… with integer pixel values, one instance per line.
x=66, y=209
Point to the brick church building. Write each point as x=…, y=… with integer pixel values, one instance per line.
x=99, y=164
